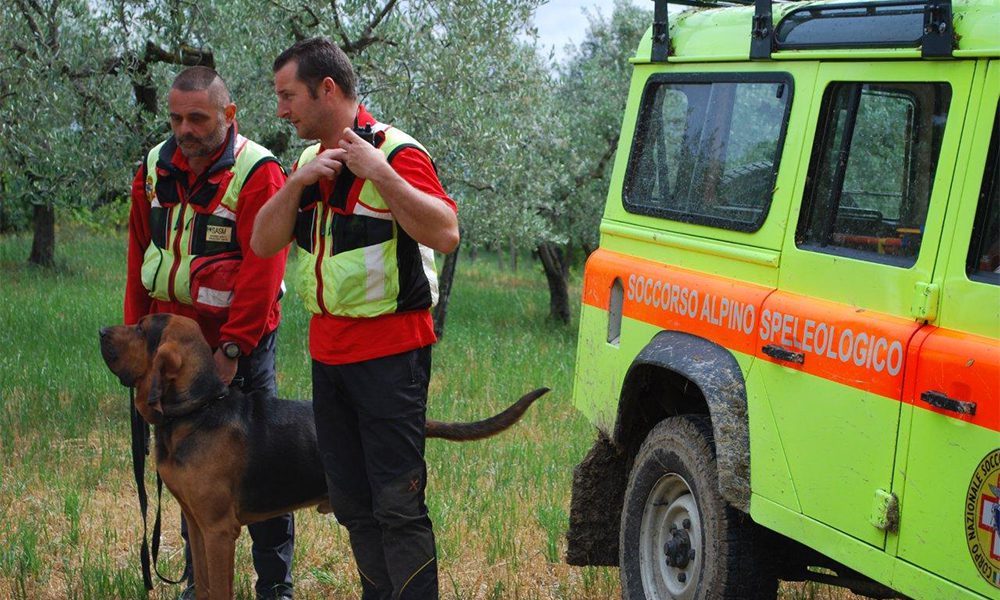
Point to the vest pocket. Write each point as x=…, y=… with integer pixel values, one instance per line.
x=211, y=234
x=153, y=274
x=304, y=225
x=166, y=187
x=158, y=218
x=212, y=281
x=305, y=272
x=362, y=282
x=351, y=232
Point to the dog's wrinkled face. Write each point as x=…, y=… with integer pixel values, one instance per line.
x=161, y=355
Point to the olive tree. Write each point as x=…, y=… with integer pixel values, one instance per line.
x=524, y=148
x=78, y=89
x=586, y=110
x=461, y=77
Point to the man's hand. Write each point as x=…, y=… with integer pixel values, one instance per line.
x=425, y=218
x=363, y=159
x=275, y=223
x=225, y=367
x=327, y=165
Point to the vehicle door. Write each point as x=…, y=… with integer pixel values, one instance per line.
x=949, y=485
x=853, y=283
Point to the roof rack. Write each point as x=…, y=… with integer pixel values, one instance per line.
x=661, y=26
x=870, y=24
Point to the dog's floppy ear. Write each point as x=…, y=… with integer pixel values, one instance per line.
x=166, y=365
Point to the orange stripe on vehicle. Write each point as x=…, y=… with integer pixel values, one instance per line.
x=851, y=346
x=838, y=342
x=963, y=367
x=715, y=308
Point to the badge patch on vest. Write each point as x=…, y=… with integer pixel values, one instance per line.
x=217, y=233
x=150, y=190
x=982, y=518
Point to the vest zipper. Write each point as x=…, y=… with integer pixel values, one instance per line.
x=179, y=229
x=212, y=262
x=321, y=234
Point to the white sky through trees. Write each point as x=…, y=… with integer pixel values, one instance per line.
x=560, y=22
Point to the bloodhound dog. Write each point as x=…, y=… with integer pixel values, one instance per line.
x=231, y=458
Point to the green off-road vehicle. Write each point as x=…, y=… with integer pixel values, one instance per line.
x=789, y=335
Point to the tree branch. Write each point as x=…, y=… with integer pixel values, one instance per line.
x=366, y=39
x=344, y=41
x=32, y=24
x=479, y=187
x=375, y=22
x=110, y=66
x=105, y=105
x=53, y=27
x=188, y=56
x=596, y=172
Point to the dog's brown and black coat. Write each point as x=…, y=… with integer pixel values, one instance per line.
x=230, y=458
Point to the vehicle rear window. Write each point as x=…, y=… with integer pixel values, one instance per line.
x=706, y=148
x=872, y=170
x=983, y=263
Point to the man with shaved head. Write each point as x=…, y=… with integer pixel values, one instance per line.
x=194, y=201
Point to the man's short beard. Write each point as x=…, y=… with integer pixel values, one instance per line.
x=207, y=147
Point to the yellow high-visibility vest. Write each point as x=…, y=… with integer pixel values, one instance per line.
x=354, y=260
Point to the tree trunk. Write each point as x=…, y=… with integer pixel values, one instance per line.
x=473, y=252
x=43, y=245
x=444, y=291
x=556, y=272
x=513, y=255
x=3, y=204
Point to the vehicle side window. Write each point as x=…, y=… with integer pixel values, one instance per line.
x=706, y=149
x=983, y=263
x=872, y=170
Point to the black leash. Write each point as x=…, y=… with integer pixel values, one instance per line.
x=140, y=449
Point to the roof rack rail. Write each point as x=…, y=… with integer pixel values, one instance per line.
x=909, y=23
x=762, y=33
x=939, y=32
x=661, y=25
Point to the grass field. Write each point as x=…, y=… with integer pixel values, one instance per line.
x=69, y=518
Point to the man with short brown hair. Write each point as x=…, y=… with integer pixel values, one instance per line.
x=368, y=212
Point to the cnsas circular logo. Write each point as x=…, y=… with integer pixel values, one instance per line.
x=982, y=517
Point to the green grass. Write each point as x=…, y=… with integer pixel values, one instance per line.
x=67, y=500
x=499, y=506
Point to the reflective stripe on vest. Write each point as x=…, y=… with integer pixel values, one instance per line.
x=353, y=259
x=184, y=227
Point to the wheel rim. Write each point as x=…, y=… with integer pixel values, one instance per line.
x=670, y=541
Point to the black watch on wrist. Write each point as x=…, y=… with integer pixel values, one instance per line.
x=231, y=350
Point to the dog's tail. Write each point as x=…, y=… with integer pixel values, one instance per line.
x=466, y=432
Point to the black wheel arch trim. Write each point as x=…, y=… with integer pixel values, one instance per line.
x=714, y=370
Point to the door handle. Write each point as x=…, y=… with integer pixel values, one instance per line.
x=942, y=401
x=777, y=352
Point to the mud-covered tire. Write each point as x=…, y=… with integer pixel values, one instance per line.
x=672, y=504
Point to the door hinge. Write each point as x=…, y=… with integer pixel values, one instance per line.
x=885, y=511
x=925, y=301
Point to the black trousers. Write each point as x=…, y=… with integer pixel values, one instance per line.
x=370, y=420
x=274, y=539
